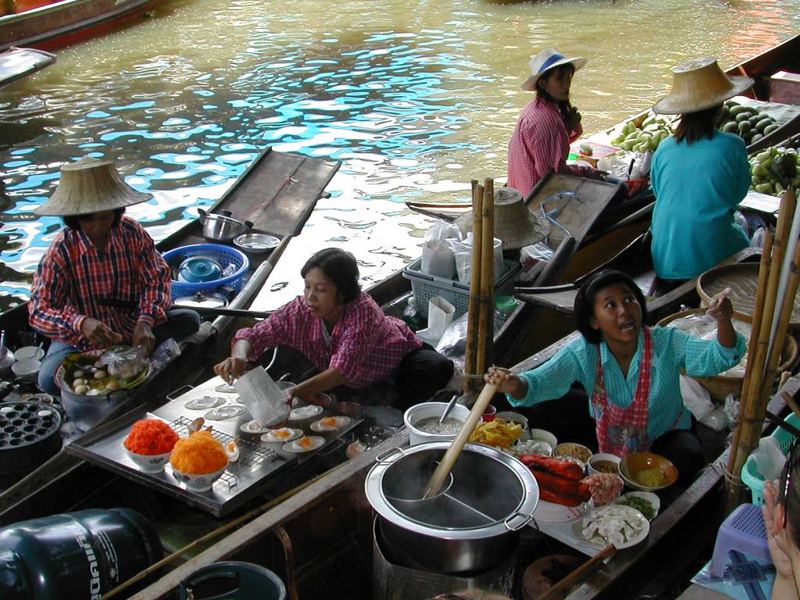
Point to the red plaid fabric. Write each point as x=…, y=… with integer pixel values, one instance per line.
x=364, y=346
x=624, y=430
x=540, y=144
x=73, y=277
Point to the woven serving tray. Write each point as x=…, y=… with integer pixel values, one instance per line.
x=742, y=278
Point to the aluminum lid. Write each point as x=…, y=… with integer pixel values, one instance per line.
x=202, y=300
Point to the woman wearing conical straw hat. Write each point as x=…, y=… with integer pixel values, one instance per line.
x=547, y=125
x=102, y=282
x=699, y=175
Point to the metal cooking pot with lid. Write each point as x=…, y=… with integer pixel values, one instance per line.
x=222, y=227
x=473, y=525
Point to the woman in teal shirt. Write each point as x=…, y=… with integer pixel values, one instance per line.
x=630, y=373
x=699, y=175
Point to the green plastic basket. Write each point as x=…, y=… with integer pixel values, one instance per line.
x=750, y=473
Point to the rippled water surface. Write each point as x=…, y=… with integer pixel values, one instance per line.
x=415, y=97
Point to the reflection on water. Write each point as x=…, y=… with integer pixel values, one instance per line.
x=414, y=102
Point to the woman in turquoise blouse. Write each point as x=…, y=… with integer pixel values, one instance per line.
x=630, y=373
x=699, y=175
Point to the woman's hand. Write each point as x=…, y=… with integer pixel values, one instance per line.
x=99, y=334
x=720, y=309
x=231, y=368
x=143, y=336
x=776, y=533
x=506, y=382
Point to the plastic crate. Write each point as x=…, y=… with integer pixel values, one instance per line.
x=224, y=255
x=750, y=473
x=426, y=286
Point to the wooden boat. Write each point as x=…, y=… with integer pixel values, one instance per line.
x=49, y=24
x=16, y=63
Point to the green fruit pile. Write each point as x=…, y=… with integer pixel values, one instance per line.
x=746, y=122
x=774, y=169
x=641, y=139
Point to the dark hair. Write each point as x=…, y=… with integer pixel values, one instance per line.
x=564, y=106
x=73, y=221
x=338, y=266
x=695, y=126
x=584, y=300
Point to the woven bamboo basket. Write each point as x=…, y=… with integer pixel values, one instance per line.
x=742, y=279
x=720, y=386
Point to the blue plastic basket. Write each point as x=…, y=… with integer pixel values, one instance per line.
x=751, y=476
x=224, y=255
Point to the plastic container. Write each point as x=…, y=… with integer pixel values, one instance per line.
x=80, y=555
x=750, y=473
x=224, y=255
x=425, y=287
x=232, y=580
x=428, y=410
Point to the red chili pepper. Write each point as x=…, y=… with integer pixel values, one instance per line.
x=561, y=485
x=554, y=466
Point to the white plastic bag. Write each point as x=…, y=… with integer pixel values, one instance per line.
x=463, y=258
x=533, y=258
x=438, y=259
x=440, y=315
x=695, y=397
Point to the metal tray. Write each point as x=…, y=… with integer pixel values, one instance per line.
x=240, y=482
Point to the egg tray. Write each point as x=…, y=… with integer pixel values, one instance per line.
x=258, y=465
x=26, y=437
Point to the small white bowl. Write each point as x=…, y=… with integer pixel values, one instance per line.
x=149, y=463
x=603, y=457
x=544, y=436
x=198, y=483
x=26, y=369
x=510, y=415
x=29, y=353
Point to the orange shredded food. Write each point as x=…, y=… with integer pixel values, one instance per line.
x=150, y=436
x=199, y=453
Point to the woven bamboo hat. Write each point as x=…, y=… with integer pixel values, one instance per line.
x=89, y=186
x=513, y=222
x=546, y=60
x=699, y=84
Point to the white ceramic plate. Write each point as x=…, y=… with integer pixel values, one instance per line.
x=330, y=424
x=549, y=512
x=221, y=413
x=305, y=412
x=225, y=388
x=284, y=434
x=254, y=427
x=304, y=444
x=608, y=514
x=204, y=402
x=650, y=497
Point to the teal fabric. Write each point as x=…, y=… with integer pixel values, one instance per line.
x=697, y=188
x=673, y=350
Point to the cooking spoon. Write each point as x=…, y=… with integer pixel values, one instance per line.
x=453, y=452
x=448, y=408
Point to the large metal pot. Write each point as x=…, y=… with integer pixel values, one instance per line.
x=222, y=227
x=472, y=526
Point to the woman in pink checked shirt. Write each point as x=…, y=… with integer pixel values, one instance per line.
x=345, y=335
x=547, y=125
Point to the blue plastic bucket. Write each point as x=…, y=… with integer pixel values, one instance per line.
x=223, y=255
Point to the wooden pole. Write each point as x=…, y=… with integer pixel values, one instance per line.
x=453, y=452
x=471, y=351
x=486, y=314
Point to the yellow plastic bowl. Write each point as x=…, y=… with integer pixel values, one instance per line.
x=647, y=471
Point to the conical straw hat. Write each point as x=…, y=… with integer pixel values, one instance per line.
x=90, y=186
x=514, y=224
x=700, y=84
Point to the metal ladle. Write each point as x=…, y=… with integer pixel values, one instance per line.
x=448, y=408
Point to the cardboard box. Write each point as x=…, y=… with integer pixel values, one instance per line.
x=784, y=87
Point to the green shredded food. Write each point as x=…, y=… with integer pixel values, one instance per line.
x=640, y=504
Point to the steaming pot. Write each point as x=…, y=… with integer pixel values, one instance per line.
x=471, y=526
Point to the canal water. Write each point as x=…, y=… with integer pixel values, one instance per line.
x=415, y=97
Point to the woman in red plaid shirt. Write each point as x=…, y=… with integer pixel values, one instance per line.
x=102, y=281
x=547, y=125
x=345, y=335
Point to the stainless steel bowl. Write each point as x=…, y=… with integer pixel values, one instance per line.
x=222, y=227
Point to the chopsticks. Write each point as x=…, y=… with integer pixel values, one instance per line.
x=558, y=590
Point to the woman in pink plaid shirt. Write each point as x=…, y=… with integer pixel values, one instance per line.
x=547, y=125
x=345, y=335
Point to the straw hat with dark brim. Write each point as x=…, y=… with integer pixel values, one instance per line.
x=545, y=61
x=700, y=84
x=514, y=224
x=90, y=186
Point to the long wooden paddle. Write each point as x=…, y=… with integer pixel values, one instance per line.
x=453, y=452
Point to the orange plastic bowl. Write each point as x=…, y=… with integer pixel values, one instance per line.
x=647, y=471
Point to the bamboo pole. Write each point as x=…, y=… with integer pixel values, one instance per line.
x=761, y=289
x=486, y=314
x=471, y=351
